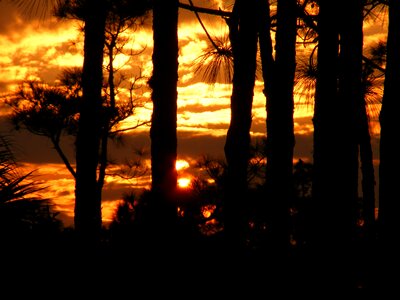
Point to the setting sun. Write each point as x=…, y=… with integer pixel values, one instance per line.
x=181, y=164
x=184, y=183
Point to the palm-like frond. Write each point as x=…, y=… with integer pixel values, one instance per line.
x=18, y=188
x=14, y=186
x=306, y=75
x=45, y=110
x=37, y=8
x=372, y=91
x=373, y=80
x=375, y=9
x=216, y=64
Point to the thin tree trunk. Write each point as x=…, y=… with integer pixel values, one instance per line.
x=368, y=238
x=88, y=202
x=389, y=204
x=237, y=145
x=367, y=171
x=107, y=119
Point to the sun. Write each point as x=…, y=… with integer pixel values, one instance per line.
x=181, y=164
x=184, y=182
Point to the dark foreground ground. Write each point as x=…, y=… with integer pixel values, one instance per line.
x=165, y=270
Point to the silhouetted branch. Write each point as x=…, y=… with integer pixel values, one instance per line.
x=63, y=157
x=130, y=128
x=209, y=11
x=204, y=27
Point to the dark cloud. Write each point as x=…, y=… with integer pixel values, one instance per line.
x=31, y=148
x=198, y=108
x=14, y=18
x=8, y=18
x=63, y=193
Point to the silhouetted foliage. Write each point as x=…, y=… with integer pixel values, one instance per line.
x=24, y=215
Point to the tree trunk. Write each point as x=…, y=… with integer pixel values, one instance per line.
x=335, y=141
x=368, y=230
x=351, y=98
x=367, y=173
x=237, y=144
x=88, y=200
x=280, y=128
x=326, y=159
x=164, y=96
x=389, y=204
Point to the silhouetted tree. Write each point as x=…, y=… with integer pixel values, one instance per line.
x=164, y=118
x=243, y=37
x=49, y=111
x=278, y=74
x=23, y=212
x=389, y=163
x=338, y=80
x=87, y=197
x=89, y=134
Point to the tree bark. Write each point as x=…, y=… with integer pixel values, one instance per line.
x=336, y=142
x=243, y=34
x=280, y=127
x=389, y=204
x=88, y=200
x=164, y=96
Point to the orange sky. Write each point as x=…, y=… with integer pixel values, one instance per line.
x=34, y=49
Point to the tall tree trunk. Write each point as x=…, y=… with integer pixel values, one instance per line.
x=368, y=236
x=335, y=141
x=326, y=155
x=164, y=96
x=389, y=204
x=351, y=98
x=237, y=144
x=367, y=172
x=88, y=200
x=280, y=130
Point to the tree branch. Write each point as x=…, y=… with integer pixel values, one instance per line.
x=209, y=11
x=130, y=128
x=63, y=157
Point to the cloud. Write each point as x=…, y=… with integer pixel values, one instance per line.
x=9, y=20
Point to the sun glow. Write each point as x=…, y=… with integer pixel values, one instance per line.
x=184, y=182
x=181, y=164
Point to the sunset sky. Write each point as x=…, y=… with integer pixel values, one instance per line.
x=31, y=48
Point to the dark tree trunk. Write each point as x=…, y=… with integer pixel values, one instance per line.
x=351, y=99
x=237, y=146
x=367, y=239
x=389, y=204
x=88, y=200
x=335, y=141
x=280, y=130
x=367, y=172
x=164, y=96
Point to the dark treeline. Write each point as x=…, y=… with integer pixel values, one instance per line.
x=256, y=219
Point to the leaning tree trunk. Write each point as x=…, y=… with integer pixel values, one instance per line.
x=164, y=96
x=389, y=204
x=237, y=146
x=88, y=200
